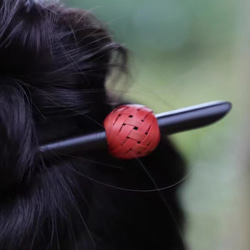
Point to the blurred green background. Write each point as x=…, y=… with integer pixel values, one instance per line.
x=186, y=52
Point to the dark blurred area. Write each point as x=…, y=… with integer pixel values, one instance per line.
x=185, y=53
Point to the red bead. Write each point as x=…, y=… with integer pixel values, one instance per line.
x=132, y=131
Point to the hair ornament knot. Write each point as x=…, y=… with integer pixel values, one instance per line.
x=132, y=131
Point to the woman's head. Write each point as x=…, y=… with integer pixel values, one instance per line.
x=54, y=63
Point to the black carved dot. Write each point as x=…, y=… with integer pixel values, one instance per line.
x=130, y=116
x=135, y=128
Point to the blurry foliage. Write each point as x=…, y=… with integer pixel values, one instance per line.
x=166, y=26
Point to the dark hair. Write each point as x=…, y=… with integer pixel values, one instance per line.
x=54, y=64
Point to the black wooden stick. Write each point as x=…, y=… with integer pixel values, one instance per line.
x=169, y=122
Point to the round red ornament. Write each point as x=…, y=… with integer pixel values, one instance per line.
x=132, y=131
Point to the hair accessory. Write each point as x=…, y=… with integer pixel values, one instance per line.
x=132, y=131
x=140, y=136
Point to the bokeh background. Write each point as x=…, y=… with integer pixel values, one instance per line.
x=186, y=52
